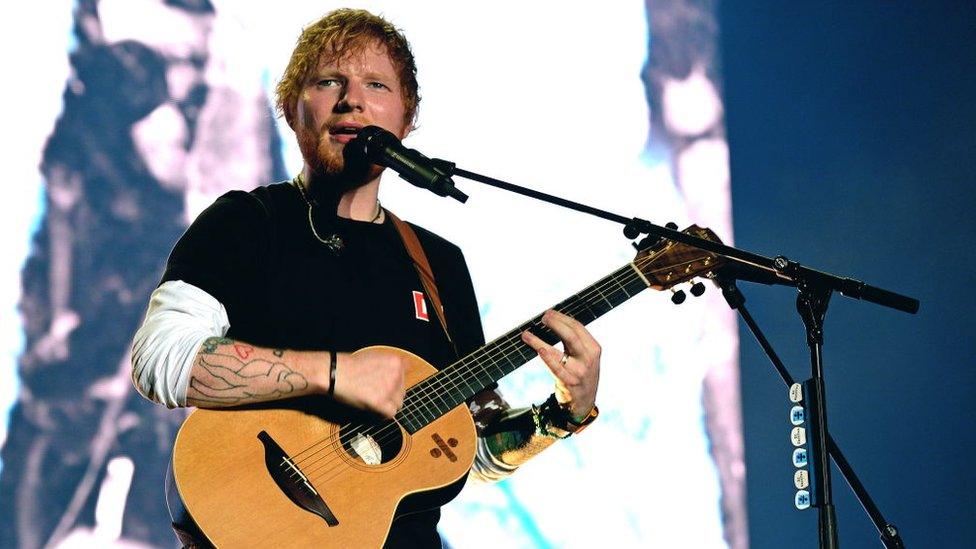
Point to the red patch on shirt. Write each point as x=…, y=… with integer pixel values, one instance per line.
x=420, y=306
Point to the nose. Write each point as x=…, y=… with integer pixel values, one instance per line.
x=351, y=100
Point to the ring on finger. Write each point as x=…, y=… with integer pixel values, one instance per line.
x=564, y=359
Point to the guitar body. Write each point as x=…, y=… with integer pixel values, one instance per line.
x=312, y=473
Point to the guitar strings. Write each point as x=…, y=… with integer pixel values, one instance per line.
x=512, y=341
x=497, y=347
x=502, y=346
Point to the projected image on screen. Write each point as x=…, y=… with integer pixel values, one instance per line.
x=164, y=106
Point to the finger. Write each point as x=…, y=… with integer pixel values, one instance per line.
x=575, y=337
x=546, y=352
x=390, y=402
x=574, y=360
x=553, y=359
x=573, y=334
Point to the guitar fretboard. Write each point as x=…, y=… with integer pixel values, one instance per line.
x=445, y=390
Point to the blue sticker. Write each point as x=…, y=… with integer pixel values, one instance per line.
x=800, y=457
x=797, y=415
x=802, y=500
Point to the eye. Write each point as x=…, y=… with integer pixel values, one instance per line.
x=377, y=86
x=328, y=82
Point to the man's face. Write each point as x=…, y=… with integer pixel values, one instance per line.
x=342, y=96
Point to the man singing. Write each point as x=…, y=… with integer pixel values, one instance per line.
x=268, y=293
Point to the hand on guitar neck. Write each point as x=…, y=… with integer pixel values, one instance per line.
x=576, y=368
x=227, y=373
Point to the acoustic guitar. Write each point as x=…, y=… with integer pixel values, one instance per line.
x=310, y=472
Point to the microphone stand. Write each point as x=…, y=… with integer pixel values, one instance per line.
x=888, y=533
x=814, y=291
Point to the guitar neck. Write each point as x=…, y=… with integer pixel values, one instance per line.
x=443, y=391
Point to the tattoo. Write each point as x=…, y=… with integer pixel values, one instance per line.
x=516, y=451
x=279, y=352
x=229, y=380
x=512, y=437
x=210, y=344
x=243, y=351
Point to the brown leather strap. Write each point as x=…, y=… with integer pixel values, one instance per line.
x=419, y=258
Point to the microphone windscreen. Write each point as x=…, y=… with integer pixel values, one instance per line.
x=373, y=140
x=354, y=154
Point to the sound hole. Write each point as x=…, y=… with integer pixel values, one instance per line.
x=372, y=443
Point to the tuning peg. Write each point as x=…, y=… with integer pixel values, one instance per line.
x=697, y=289
x=677, y=296
x=671, y=225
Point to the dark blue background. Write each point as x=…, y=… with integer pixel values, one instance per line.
x=851, y=126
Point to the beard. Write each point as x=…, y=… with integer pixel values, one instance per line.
x=334, y=172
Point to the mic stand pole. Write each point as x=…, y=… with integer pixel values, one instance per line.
x=815, y=288
x=887, y=531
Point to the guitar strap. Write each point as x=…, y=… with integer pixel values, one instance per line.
x=426, y=274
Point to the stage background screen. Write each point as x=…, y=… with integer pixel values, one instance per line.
x=143, y=112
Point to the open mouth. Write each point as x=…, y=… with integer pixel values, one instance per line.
x=344, y=130
x=344, y=133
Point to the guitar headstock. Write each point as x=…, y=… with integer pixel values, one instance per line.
x=669, y=263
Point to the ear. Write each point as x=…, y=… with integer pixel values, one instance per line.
x=290, y=116
x=295, y=111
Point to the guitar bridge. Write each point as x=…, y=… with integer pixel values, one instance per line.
x=293, y=481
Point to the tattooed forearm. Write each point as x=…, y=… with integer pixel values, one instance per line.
x=226, y=379
x=511, y=437
x=227, y=372
x=210, y=344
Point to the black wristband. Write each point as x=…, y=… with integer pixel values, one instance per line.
x=332, y=374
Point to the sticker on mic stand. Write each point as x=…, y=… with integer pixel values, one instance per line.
x=802, y=500
x=800, y=457
x=797, y=415
x=796, y=392
x=801, y=479
x=799, y=436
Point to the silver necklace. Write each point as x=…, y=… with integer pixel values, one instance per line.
x=333, y=241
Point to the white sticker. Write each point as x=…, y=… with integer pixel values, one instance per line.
x=796, y=392
x=801, y=479
x=799, y=436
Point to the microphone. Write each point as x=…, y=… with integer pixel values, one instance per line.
x=382, y=147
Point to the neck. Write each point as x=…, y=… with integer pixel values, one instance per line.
x=358, y=204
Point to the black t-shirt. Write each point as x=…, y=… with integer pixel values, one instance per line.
x=282, y=288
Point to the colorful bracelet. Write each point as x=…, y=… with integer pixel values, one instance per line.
x=555, y=420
